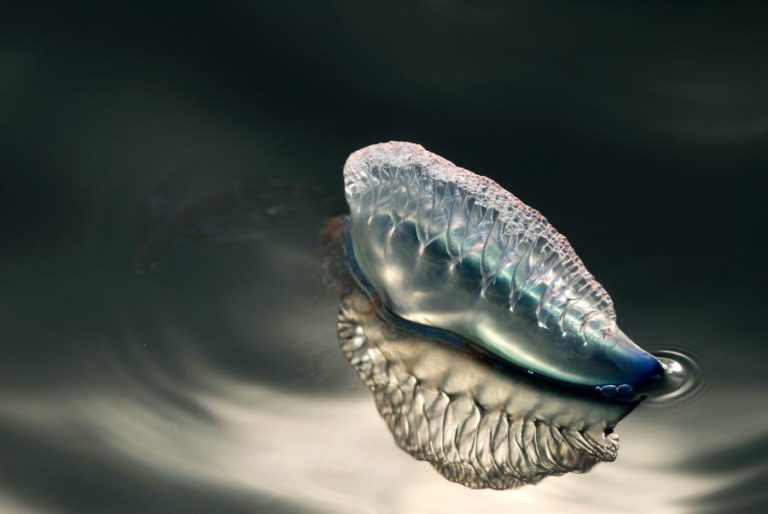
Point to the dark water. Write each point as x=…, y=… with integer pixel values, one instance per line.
x=212, y=381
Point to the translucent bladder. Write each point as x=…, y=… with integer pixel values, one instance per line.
x=447, y=249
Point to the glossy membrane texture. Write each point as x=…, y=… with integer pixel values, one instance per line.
x=448, y=249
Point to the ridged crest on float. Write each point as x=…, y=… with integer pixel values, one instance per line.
x=478, y=220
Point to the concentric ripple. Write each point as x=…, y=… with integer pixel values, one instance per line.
x=683, y=380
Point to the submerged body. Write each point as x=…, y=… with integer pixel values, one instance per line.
x=478, y=422
x=450, y=250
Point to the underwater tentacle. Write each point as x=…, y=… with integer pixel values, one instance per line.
x=439, y=413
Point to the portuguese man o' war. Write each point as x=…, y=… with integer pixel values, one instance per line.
x=491, y=351
x=452, y=250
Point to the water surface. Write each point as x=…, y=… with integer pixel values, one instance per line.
x=213, y=382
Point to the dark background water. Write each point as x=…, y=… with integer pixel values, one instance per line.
x=212, y=383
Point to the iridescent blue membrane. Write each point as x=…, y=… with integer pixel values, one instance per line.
x=447, y=249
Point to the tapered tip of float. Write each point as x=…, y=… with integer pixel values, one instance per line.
x=641, y=367
x=637, y=368
x=682, y=379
